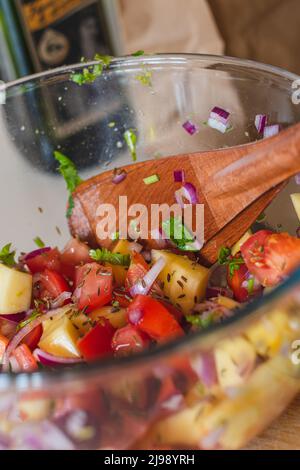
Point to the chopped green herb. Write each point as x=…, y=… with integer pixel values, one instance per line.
x=261, y=218
x=131, y=140
x=7, y=257
x=112, y=124
x=115, y=236
x=226, y=258
x=145, y=78
x=176, y=231
x=138, y=53
x=250, y=285
x=107, y=256
x=35, y=314
x=39, y=242
x=68, y=170
x=151, y=179
x=200, y=322
x=90, y=74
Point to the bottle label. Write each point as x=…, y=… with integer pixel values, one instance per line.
x=39, y=14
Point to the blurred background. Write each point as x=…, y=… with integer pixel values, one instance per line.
x=36, y=35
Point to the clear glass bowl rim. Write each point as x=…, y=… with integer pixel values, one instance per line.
x=40, y=379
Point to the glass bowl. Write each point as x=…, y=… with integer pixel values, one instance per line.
x=214, y=389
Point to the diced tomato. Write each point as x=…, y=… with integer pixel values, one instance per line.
x=122, y=297
x=49, y=260
x=271, y=256
x=48, y=285
x=3, y=345
x=238, y=283
x=129, y=340
x=24, y=358
x=97, y=342
x=74, y=254
x=153, y=318
x=33, y=338
x=137, y=270
x=177, y=314
x=93, y=286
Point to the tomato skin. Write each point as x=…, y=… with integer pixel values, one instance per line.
x=175, y=312
x=33, y=338
x=153, y=319
x=48, y=285
x=74, y=254
x=137, y=270
x=238, y=282
x=24, y=358
x=271, y=256
x=97, y=342
x=94, y=284
x=49, y=260
x=129, y=340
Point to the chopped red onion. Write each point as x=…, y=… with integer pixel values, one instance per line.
x=35, y=253
x=187, y=191
x=205, y=368
x=220, y=114
x=218, y=125
x=144, y=286
x=179, y=176
x=297, y=179
x=173, y=403
x=190, y=127
x=16, y=340
x=271, y=131
x=119, y=176
x=50, y=360
x=15, y=318
x=219, y=119
x=60, y=300
x=261, y=121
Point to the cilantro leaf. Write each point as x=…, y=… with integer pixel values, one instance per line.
x=39, y=242
x=131, y=141
x=7, y=257
x=35, y=314
x=107, y=256
x=176, y=231
x=226, y=258
x=68, y=170
x=138, y=53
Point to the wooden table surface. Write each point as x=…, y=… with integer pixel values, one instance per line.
x=284, y=434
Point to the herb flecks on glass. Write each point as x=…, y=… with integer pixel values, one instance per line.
x=39, y=242
x=7, y=256
x=69, y=172
x=103, y=255
x=131, y=141
x=91, y=73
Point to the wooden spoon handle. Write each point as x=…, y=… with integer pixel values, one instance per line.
x=235, y=178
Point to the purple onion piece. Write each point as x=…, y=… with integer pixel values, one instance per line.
x=119, y=177
x=213, y=292
x=271, y=131
x=297, y=179
x=35, y=253
x=190, y=128
x=220, y=114
x=261, y=121
x=14, y=318
x=179, y=176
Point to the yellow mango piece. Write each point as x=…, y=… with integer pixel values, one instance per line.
x=60, y=337
x=237, y=246
x=15, y=290
x=227, y=302
x=232, y=356
x=119, y=272
x=117, y=319
x=184, y=281
x=296, y=202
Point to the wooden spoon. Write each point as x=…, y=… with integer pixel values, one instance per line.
x=234, y=184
